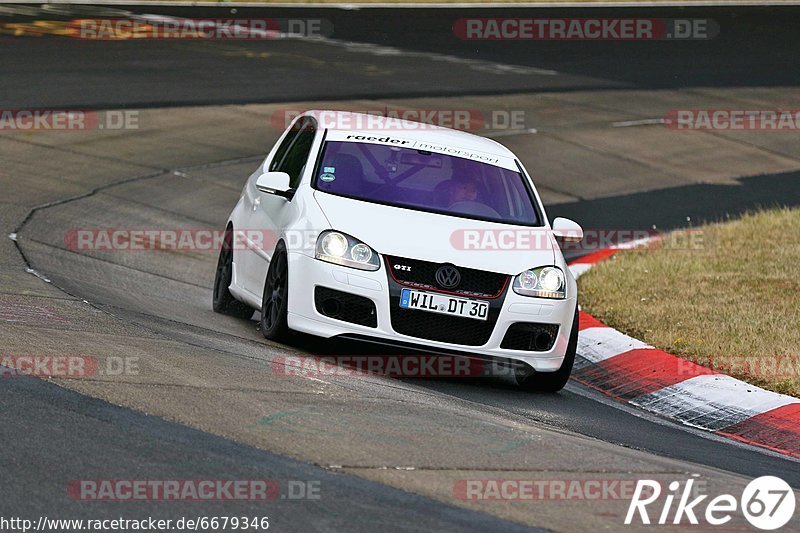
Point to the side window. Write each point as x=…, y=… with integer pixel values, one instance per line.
x=295, y=159
x=283, y=148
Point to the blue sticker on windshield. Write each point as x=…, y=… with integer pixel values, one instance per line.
x=329, y=169
x=327, y=177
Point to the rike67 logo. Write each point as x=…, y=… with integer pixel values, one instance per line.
x=767, y=502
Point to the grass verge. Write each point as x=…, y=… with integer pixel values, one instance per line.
x=725, y=295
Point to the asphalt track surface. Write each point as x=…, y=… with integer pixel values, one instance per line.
x=754, y=47
x=52, y=435
x=72, y=429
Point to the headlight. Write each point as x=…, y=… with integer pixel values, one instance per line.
x=334, y=245
x=542, y=282
x=341, y=249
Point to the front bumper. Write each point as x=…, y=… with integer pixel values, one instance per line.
x=307, y=273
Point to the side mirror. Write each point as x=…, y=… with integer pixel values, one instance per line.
x=274, y=183
x=567, y=230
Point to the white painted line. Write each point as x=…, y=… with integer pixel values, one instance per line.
x=38, y=275
x=578, y=269
x=579, y=266
x=264, y=34
x=314, y=379
x=642, y=122
x=635, y=243
x=506, y=133
x=476, y=64
x=599, y=344
x=383, y=51
x=712, y=402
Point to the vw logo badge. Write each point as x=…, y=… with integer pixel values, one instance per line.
x=448, y=277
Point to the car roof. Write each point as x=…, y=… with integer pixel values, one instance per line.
x=407, y=129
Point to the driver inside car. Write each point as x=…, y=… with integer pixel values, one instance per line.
x=463, y=190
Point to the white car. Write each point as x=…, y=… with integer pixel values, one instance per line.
x=406, y=234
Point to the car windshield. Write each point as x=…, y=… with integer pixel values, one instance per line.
x=425, y=181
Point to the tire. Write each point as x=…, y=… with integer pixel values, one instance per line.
x=552, y=381
x=223, y=301
x=275, y=301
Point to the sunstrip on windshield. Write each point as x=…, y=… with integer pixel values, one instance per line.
x=437, y=147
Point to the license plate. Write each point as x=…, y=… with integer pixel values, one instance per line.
x=446, y=305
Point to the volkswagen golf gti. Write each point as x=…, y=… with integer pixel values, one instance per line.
x=381, y=229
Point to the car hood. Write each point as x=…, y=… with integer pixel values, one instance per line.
x=489, y=246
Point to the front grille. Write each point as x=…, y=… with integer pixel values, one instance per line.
x=530, y=336
x=345, y=306
x=422, y=275
x=442, y=328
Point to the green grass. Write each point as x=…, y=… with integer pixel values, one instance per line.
x=726, y=296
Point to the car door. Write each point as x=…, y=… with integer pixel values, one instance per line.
x=268, y=214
